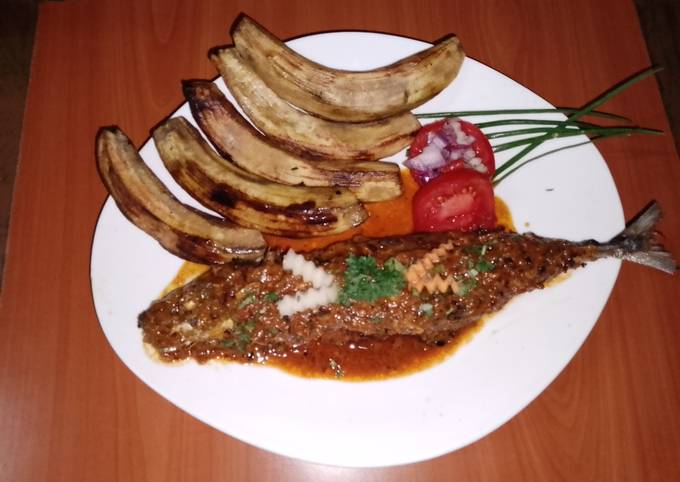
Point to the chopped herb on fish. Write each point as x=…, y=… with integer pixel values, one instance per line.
x=475, y=267
x=426, y=309
x=249, y=299
x=240, y=336
x=272, y=296
x=484, y=266
x=465, y=286
x=337, y=369
x=366, y=281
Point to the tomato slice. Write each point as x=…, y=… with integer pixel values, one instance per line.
x=451, y=144
x=460, y=200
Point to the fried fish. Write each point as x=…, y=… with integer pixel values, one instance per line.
x=424, y=285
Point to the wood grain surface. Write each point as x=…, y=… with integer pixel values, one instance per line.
x=72, y=411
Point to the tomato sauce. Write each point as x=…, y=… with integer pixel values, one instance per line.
x=368, y=359
x=371, y=359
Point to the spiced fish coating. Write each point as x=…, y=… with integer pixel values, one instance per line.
x=231, y=311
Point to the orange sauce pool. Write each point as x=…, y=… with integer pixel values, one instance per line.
x=186, y=273
x=388, y=218
x=368, y=359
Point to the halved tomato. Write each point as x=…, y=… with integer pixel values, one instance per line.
x=448, y=145
x=460, y=200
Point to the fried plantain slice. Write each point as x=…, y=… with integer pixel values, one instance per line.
x=303, y=133
x=249, y=200
x=342, y=95
x=147, y=203
x=235, y=139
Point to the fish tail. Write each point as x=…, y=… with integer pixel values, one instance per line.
x=640, y=242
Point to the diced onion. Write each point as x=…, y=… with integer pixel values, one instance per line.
x=450, y=144
x=307, y=270
x=456, y=133
x=323, y=291
x=431, y=158
x=311, y=298
x=440, y=141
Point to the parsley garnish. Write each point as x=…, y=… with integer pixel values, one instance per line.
x=365, y=281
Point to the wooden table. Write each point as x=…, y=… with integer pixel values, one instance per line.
x=71, y=411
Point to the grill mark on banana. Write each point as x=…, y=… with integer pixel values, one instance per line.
x=302, y=133
x=250, y=200
x=345, y=95
x=146, y=202
x=234, y=138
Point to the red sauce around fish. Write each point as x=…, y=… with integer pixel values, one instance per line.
x=368, y=359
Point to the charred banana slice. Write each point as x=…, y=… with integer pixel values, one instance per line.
x=235, y=138
x=343, y=95
x=145, y=201
x=250, y=200
x=303, y=133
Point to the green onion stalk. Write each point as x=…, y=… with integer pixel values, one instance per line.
x=547, y=130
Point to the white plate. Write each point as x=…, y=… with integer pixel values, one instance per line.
x=508, y=363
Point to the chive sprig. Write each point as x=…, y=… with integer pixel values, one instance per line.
x=553, y=129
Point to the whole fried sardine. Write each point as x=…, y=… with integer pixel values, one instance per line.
x=425, y=285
